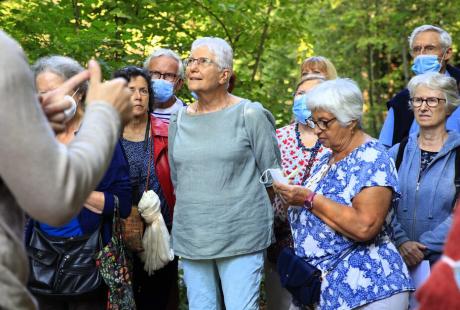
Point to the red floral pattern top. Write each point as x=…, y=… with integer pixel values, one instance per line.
x=294, y=155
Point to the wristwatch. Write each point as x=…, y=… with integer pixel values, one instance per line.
x=308, y=203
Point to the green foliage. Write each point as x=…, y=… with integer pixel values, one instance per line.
x=366, y=40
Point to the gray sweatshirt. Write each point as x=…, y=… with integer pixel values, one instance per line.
x=216, y=160
x=38, y=175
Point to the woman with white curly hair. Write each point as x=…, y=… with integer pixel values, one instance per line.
x=340, y=221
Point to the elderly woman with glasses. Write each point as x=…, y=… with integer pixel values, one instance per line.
x=427, y=170
x=340, y=222
x=219, y=147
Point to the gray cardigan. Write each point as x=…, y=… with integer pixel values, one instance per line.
x=38, y=175
x=216, y=160
x=425, y=214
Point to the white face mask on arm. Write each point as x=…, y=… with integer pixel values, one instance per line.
x=70, y=112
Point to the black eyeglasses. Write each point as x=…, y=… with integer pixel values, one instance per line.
x=171, y=77
x=321, y=124
x=432, y=102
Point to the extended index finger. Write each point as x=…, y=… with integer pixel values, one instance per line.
x=65, y=88
x=94, y=72
x=74, y=82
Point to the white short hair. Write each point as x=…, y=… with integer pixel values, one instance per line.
x=445, y=38
x=341, y=97
x=62, y=66
x=437, y=81
x=168, y=53
x=219, y=47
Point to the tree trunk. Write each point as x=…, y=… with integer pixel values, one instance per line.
x=263, y=38
x=405, y=63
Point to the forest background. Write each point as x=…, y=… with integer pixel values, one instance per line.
x=366, y=40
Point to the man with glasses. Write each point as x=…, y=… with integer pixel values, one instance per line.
x=431, y=48
x=167, y=73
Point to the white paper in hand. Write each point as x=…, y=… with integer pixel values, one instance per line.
x=278, y=176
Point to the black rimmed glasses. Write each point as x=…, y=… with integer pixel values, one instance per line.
x=201, y=61
x=171, y=77
x=432, y=102
x=321, y=124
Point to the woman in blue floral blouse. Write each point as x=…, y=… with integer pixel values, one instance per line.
x=344, y=208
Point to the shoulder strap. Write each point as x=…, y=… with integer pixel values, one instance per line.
x=245, y=122
x=345, y=254
x=457, y=172
x=400, y=155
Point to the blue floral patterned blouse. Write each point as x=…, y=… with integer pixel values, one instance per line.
x=373, y=270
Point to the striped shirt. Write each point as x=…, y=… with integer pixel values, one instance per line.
x=165, y=114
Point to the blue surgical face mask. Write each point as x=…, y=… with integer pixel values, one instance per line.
x=163, y=90
x=194, y=95
x=426, y=63
x=300, y=110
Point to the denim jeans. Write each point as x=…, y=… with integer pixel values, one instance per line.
x=239, y=276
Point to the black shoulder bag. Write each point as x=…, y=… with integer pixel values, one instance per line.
x=302, y=279
x=63, y=266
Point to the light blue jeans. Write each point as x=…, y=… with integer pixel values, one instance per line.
x=240, y=277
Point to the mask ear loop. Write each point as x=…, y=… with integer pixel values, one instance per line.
x=264, y=177
x=442, y=59
x=73, y=95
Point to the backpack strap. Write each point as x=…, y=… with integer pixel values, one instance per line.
x=400, y=155
x=457, y=173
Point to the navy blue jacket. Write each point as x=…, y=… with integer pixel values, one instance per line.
x=115, y=182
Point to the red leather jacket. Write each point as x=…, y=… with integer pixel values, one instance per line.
x=159, y=131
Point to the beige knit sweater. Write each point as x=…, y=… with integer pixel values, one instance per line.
x=38, y=175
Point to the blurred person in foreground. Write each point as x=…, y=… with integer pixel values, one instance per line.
x=38, y=175
x=340, y=217
x=442, y=289
x=99, y=208
x=219, y=146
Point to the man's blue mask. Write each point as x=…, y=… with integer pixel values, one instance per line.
x=426, y=63
x=163, y=90
x=300, y=110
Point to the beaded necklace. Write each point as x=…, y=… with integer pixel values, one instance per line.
x=313, y=152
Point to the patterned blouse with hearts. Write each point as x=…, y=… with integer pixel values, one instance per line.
x=294, y=155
